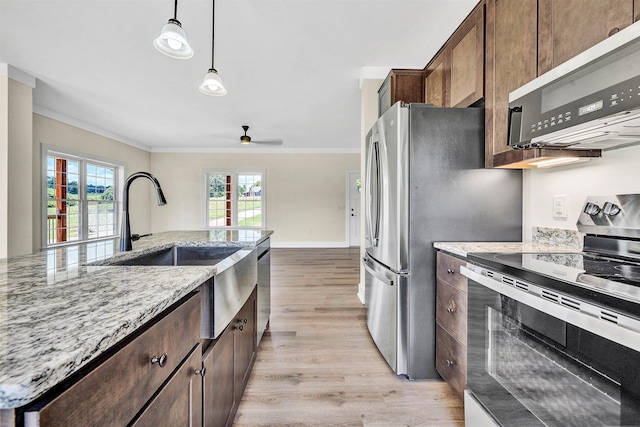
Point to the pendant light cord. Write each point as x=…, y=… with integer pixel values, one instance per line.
x=175, y=11
x=213, y=23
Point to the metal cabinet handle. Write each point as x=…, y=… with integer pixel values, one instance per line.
x=449, y=362
x=450, y=271
x=200, y=372
x=613, y=31
x=244, y=320
x=161, y=361
x=451, y=310
x=240, y=328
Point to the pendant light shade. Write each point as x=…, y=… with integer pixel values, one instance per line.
x=212, y=83
x=172, y=40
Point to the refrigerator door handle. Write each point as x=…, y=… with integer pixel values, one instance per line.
x=373, y=180
x=370, y=267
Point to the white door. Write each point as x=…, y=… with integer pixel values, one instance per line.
x=354, y=208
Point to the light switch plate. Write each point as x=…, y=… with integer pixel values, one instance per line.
x=559, y=206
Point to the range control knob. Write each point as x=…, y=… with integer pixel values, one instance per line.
x=611, y=209
x=591, y=209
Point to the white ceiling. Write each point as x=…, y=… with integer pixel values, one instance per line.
x=292, y=68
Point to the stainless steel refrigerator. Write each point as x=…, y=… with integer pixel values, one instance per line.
x=424, y=182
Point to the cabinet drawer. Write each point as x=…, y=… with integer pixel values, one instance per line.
x=122, y=385
x=451, y=311
x=451, y=361
x=448, y=270
x=180, y=401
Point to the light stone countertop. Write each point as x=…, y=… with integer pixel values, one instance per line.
x=57, y=313
x=464, y=248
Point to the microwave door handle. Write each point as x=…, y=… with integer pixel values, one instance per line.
x=514, y=127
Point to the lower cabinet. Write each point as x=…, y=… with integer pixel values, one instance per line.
x=228, y=362
x=451, y=322
x=153, y=376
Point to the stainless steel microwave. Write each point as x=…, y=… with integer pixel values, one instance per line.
x=592, y=101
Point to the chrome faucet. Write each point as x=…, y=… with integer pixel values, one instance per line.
x=125, y=230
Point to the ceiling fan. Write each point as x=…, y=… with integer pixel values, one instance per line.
x=246, y=139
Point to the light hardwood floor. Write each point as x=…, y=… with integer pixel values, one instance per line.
x=317, y=364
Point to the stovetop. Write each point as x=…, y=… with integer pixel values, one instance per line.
x=612, y=281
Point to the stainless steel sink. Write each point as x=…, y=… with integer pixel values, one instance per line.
x=224, y=293
x=180, y=255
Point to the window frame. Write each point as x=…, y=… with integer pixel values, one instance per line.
x=82, y=159
x=234, y=173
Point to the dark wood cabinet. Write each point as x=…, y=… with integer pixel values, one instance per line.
x=115, y=391
x=451, y=322
x=218, y=383
x=436, y=81
x=467, y=60
x=568, y=27
x=636, y=10
x=179, y=403
x=400, y=85
x=228, y=362
x=511, y=61
x=455, y=76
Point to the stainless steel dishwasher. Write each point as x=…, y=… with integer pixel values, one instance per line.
x=264, y=286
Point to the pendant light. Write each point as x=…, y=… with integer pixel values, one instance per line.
x=172, y=40
x=212, y=83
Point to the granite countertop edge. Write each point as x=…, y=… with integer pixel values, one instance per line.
x=464, y=248
x=60, y=309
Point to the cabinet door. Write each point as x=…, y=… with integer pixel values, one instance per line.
x=437, y=79
x=511, y=61
x=636, y=10
x=245, y=345
x=179, y=403
x=467, y=60
x=218, y=389
x=569, y=27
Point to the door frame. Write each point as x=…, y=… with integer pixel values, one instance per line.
x=347, y=208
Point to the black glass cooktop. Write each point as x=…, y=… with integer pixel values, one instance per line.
x=583, y=274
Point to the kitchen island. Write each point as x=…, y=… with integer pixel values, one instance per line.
x=62, y=308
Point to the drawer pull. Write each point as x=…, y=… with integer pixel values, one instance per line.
x=244, y=320
x=449, y=362
x=161, y=361
x=450, y=271
x=200, y=372
x=451, y=310
x=240, y=328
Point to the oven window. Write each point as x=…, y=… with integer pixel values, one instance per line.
x=548, y=383
x=526, y=370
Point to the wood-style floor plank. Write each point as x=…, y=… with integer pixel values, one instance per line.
x=317, y=364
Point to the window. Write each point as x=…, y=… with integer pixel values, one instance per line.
x=235, y=199
x=81, y=198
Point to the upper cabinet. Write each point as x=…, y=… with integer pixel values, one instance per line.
x=400, y=85
x=467, y=60
x=511, y=61
x=455, y=76
x=526, y=38
x=568, y=27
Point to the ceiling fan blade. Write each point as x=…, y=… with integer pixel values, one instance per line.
x=276, y=141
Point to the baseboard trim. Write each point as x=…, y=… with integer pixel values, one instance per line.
x=309, y=244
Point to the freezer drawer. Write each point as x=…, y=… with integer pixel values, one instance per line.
x=384, y=296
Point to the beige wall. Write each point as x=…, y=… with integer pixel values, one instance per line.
x=142, y=202
x=617, y=172
x=305, y=193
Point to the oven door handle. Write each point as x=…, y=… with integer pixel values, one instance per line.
x=618, y=333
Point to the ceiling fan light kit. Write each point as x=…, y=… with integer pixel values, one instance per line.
x=172, y=40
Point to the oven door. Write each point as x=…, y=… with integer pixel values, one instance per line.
x=529, y=367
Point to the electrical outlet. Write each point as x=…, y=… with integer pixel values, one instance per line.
x=559, y=206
